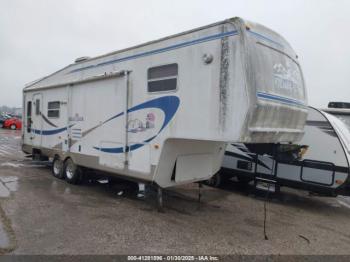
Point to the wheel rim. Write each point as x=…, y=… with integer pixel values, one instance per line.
x=57, y=166
x=13, y=127
x=69, y=171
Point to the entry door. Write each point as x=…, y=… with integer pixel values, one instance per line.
x=27, y=129
x=37, y=121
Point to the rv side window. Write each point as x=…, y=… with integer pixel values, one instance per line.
x=29, y=116
x=53, y=109
x=37, y=107
x=162, y=78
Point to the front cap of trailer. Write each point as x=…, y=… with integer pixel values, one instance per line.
x=275, y=86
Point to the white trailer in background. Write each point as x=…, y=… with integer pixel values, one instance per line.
x=323, y=167
x=162, y=112
x=341, y=110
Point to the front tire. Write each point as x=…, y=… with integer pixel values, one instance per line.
x=72, y=172
x=13, y=127
x=57, y=168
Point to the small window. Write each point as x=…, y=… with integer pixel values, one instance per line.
x=37, y=107
x=53, y=109
x=29, y=116
x=162, y=78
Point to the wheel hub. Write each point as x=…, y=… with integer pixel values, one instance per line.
x=69, y=171
x=57, y=166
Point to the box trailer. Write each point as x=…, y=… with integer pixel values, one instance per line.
x=163, y=111
x=322, y=167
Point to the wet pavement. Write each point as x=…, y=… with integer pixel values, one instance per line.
x=40, y=214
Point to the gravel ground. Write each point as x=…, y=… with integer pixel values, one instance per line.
x=43, y=215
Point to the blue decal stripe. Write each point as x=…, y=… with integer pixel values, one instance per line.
x=265, y=38
x=113, y=117
x=176, y=46
x=161, y=50
x=168, y=104
x=116, y=150
x=50, y=132
x=282, y=99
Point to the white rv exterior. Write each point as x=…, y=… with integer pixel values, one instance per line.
x=163, y=111
x=342, y=113
x=324, y=166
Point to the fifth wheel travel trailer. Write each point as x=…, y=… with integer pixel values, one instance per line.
x=162, y=112
x=322, y=167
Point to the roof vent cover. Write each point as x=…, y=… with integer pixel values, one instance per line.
x=338, y=105
x=81, y=59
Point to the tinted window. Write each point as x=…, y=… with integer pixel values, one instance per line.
x=37, y=107
x=53, y=109
x=54, y=105
x=162, y=71
x=162, y=78
x=53, y=113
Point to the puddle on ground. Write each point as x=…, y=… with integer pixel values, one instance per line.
x=344, y=201
x=3, y=152
x=7, y=179
x=12, y=186
x=67, y=190
x=4, y=239
x=4, y=191
x=11, y=164
x=335, y=204
x=18, y=165
x=35, y=166
x=8, y=184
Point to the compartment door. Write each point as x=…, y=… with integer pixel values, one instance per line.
x=317, y=172
x=113, y=140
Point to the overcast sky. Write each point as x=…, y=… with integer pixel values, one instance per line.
x=38, y=37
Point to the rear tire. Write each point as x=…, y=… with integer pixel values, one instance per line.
x=13, y=127
x=57, y=168
x=72, y=172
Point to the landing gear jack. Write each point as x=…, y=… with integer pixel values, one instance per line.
x=200, y=185
x=160, y=199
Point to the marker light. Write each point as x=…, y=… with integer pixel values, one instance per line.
x=339, y=182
